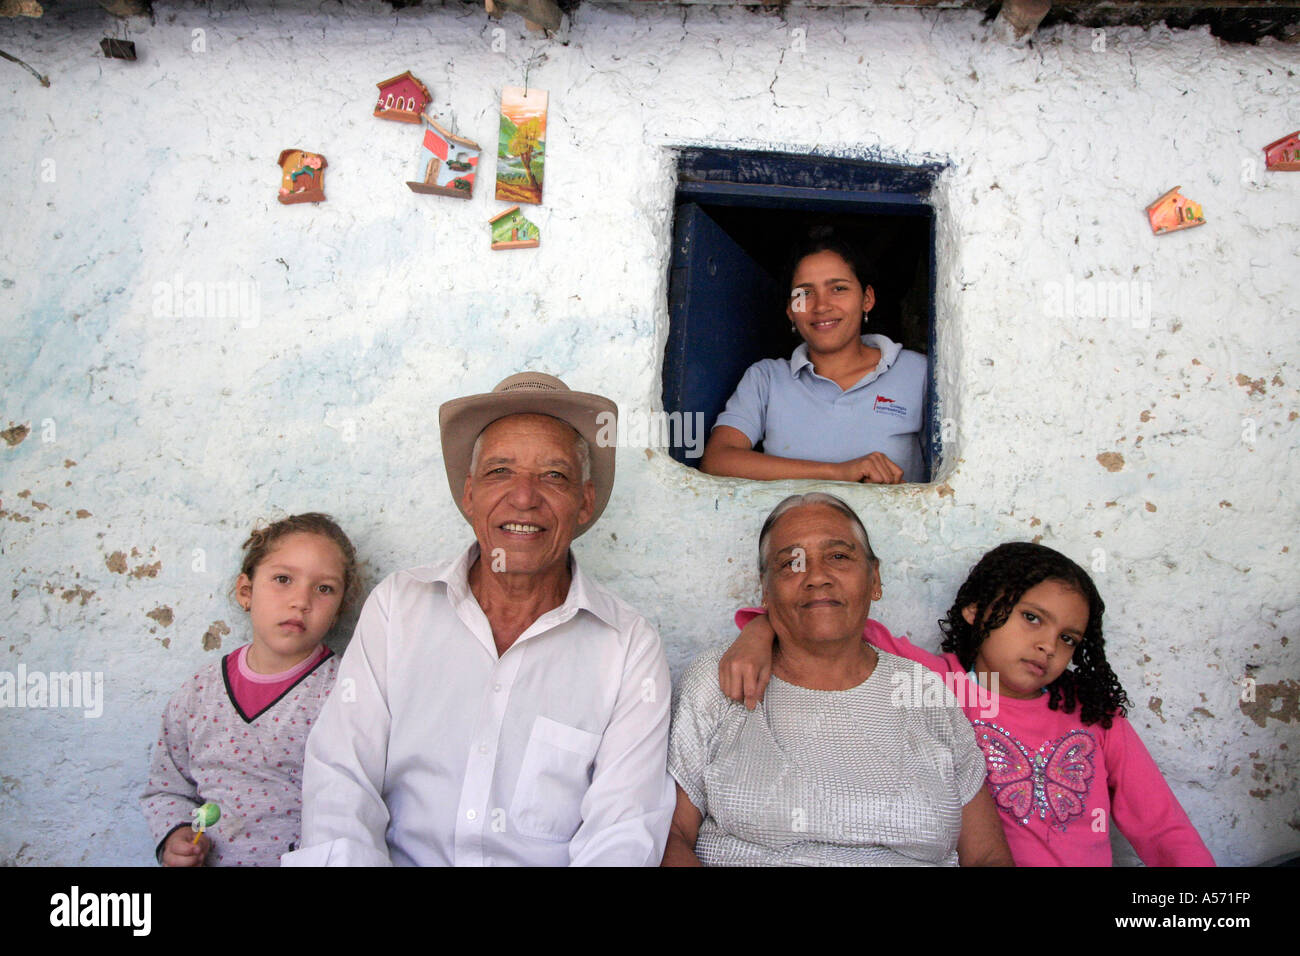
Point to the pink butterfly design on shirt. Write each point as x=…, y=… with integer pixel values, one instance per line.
x=1053, y=782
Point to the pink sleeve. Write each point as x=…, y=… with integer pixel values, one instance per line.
x=171, y=794
x=1144, y=808
x=877, y=635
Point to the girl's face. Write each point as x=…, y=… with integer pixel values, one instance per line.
x=827, y=302
x=294, y=598
x=1036, y=643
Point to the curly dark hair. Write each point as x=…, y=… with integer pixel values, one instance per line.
x=996, y=584
x=262, y=538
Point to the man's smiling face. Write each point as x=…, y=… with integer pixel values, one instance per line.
x=525, y=495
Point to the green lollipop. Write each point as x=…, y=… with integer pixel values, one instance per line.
x=204, y=817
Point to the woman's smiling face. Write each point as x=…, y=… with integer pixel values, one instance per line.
x=827, y=302
x=820, y=580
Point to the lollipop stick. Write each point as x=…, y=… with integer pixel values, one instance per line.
x=196, y=837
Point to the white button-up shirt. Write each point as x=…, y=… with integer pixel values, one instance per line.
x=433, y=750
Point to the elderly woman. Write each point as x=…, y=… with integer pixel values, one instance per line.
x=839, y=764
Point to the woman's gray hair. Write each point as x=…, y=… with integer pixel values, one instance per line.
x=811, y=498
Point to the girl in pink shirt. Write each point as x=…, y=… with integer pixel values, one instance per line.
x=235, y=733
x=1023, y=652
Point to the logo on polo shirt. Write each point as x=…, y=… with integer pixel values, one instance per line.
x=889, y=406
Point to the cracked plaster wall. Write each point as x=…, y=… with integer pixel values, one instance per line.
x=142, y=443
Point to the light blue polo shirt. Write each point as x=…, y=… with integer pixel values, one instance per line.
x=797, y=413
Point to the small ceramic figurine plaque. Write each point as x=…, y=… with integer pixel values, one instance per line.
x=402, y=98
x=1173, y=211
x=302, y=176
x=1284, y=155
x=447, y=162
x=521, y=145
x=511, y=230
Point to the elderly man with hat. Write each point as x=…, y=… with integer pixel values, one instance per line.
x=502, y=708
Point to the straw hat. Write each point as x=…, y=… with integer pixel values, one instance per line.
x=461, y=420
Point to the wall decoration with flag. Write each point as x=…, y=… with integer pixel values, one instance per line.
x=446, y=163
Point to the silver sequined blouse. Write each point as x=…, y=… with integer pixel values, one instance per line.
x=810, y=777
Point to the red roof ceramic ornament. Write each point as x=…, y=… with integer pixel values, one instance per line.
x=1284, y=154
x=402, y=98
x=302, y=176
x=1173, y=211
x=447, y=162
x=510, y=230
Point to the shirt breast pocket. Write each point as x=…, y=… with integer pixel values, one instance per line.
x=553, y=779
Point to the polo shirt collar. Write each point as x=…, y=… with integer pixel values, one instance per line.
x=584, y=593
x=889, y=350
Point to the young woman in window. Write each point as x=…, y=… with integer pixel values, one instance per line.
x=844, y=407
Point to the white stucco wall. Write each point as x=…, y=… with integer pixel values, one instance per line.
x=158, y=439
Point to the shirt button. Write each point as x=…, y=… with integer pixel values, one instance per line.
x=482, y=748
x=471, y=814
x=497, y=688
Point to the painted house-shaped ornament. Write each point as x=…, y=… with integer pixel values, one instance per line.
x=402, y=98
x=511, y=230
x=302, y=176
x=447, y=162
x=1284, y=155
x=1173, y=211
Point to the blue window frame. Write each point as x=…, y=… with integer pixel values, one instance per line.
x=737, y=215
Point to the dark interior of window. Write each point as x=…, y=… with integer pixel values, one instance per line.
x=738, y=215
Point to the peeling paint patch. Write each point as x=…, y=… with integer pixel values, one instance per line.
x=68, y=463
x=1203, y=712
x=1281, y=701
x=1256, y=385
x=1111, y=460
x=83, y=513
x=14, y=434
x=212, y=636
x=162, y=614
x=147, y=570
x=1154, y=705
x=1145, y=416
x=12, y=516
x=74, y=593
x=1225, y=503
x=1150, y=506
x=116, y=562
x=945, y=490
